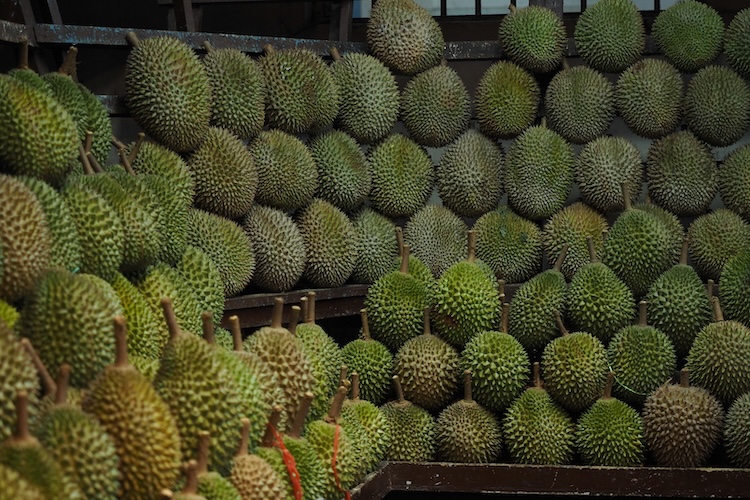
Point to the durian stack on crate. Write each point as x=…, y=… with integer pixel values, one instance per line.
x=612, y=190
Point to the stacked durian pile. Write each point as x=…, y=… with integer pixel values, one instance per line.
x=284, y=171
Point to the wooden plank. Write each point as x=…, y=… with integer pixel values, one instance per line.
x=183, y=13
x=375, y=486
x=15, y=32
x=54, y=12
x=346, y=20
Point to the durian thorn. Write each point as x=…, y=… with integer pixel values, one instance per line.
x=208, y=47
x=125, y=162
x=23, y=53
x=132, y=39
x=50, y=387
x=684, y=252
x=209, y=333
x=643, y=313
x=278, y=312
x=426, y=330
x=204, y=442
x=400, y=239
x=117, y=143
x=170, y=318
x=234, y=327
x=467, y=385
x=560, y=325
x=626, y=196
x=365, y=324
x=191, y=478
x=310, y=317
x=63, y=380
x=710, y=289
x=399, y=390
x=565, y=64
x=136, y=147
x=121, y=342
x=592, y=251
x=504, y=320
x=335, y=54
x=608, y=385
x=405, y=259
x=273, y=424
x=88, y=141
x=294, y=319
x=68, y=66
x=543, y=122
x=343, y=374
x=22, y=417
x=537, y=377
x=718, y=315
x=501, y=286
x=268, y=49
x=84, y=160
x=338, y=401
x=512, y=8
x=354, y=395
x=685, y=377
x=561, y=258
x=96, y=166
x=244, y=437
x=472, y=246
x=295, y=430
x=166, y=494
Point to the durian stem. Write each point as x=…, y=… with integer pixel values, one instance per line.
x=642, y=313
x=84, y=161
x=684, y=377
x=136, y=147
x=561, y=257
x=166, y=494
x=234, y=327
x=273, y=424
x=125, y=162
x=710, y=290
x=170, y=318
x=343, y=374
x=684, y=252
x=365, y=324
x=68, y=66
x=208, y=47
x=405, y=259
x=23, y=53
x=268, y=49
x=504, y=317
x=96, y=166
x=335, y=54
x=560, y=324
x=398, y=388
x=310, y=318
x=209, y=334
x=191, y=478
x=537, y=377
x=338, y=402
x=565, y=64
x=608, y=386
x=626, y=196
x=278, y=312
x=63, y=380
x=400, y=240
x=426, y=330
x=467, y=385
x=472, y=246
x=88, y=141
x=299, y=418
x=121, y=342
x=605, y=232
x=718, y=315
x=512, y=8
x=294, y=320
x=22, y=416
x=543, y=122
x=117, y=143
x=592, y=251
x=303, y=305
x=50, y=387
x=204, y=441
x=244, y=437
x=501, y=286
x=132, y=39
x=355, y=387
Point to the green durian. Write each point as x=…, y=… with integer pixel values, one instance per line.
x=149, y=157
x=735, y=49
x=733, y=286
x=413, y=429
x=734, y=181
x=376, y=246
x=737, y=430
x=162, y=280
x=343, y=170
x=202, y=276
x=253, y=477
x=373, y=363
x=715, y=238
x=506, y=100
x=437, y=237
x=67, y=93
x=17, y=373
x=147, y=332
x=533, y=37
x=371, y=419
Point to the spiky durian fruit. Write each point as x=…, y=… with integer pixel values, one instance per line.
x=435, y=106
x=539, y=172
x=330, y=244
x=579, y=103
x=681, y=173
x=270, y=452
x=530, y=316
x=138, y=421
x=682, y=424
x=690, y=34
x=161, y=280
x=17, y=373
x=536, y=430
x=737, y=430
x=735, y=47
x=66, y=91
x=470, y=174
x=376, y=247
x=642, y=357
x=369, y=96
x=733, y=287
x=372, y=421
x=278, y=247
x=301, y=93
x=238, y=91
x=24, y=152
x=24, y=237
x=601, y=168
x=610, y=35
x=437, y=237
x=202, y=276
x=148, y=157
x=23, y=73
x=533, y=37
x=715, y=238
x=648, y=95
x=147, y=333
x=428, y=368
x=98, y=122
x=402, y=176
x=610, y=432
x=8, y=314
x=312, y=470
x=225, y=174
x=572, y=226
x=412, y=428
x=673, y=225
x=15, y=487
x=717, y=105
x=253, y=477
x=506, y=100
x=343, y=170
x=228, y=246
x=509, y=244
x=408, y=52
x=287, y=175
x=167, y=91
x=500, y=367
x=734, y=181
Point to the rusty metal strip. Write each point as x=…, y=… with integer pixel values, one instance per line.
x=15, y=32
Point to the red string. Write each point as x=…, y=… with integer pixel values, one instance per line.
x=347, y=495
x=289, y=461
